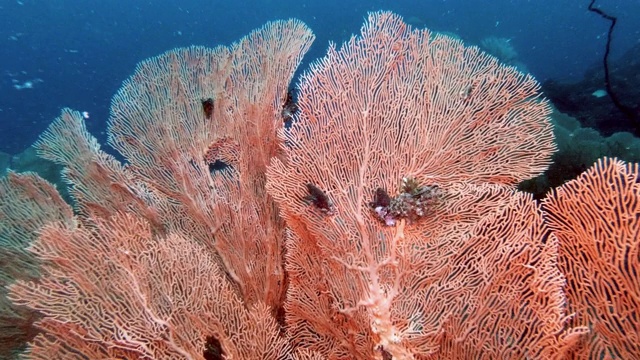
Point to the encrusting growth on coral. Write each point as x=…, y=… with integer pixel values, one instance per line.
x=413, y=202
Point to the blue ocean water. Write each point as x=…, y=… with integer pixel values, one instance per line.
x=75, y=53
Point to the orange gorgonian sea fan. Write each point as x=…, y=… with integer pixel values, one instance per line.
x=596, y=218
x=410, y=112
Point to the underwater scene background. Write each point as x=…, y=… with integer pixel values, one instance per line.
x=320, y=180
x=77, y=53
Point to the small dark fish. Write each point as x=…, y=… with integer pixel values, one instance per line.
x=207, y=107
x=385, y=354
x=213, y=349
x=381, y=205
x=319, y=199
x=466, y=93
x=380, y=199
x=289, y=108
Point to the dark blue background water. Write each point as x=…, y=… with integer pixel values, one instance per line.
x=76, y=53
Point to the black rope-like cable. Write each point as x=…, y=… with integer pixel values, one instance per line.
x=628, y=112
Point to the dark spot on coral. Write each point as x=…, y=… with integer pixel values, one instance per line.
x=221, y=154
x=217, y=165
